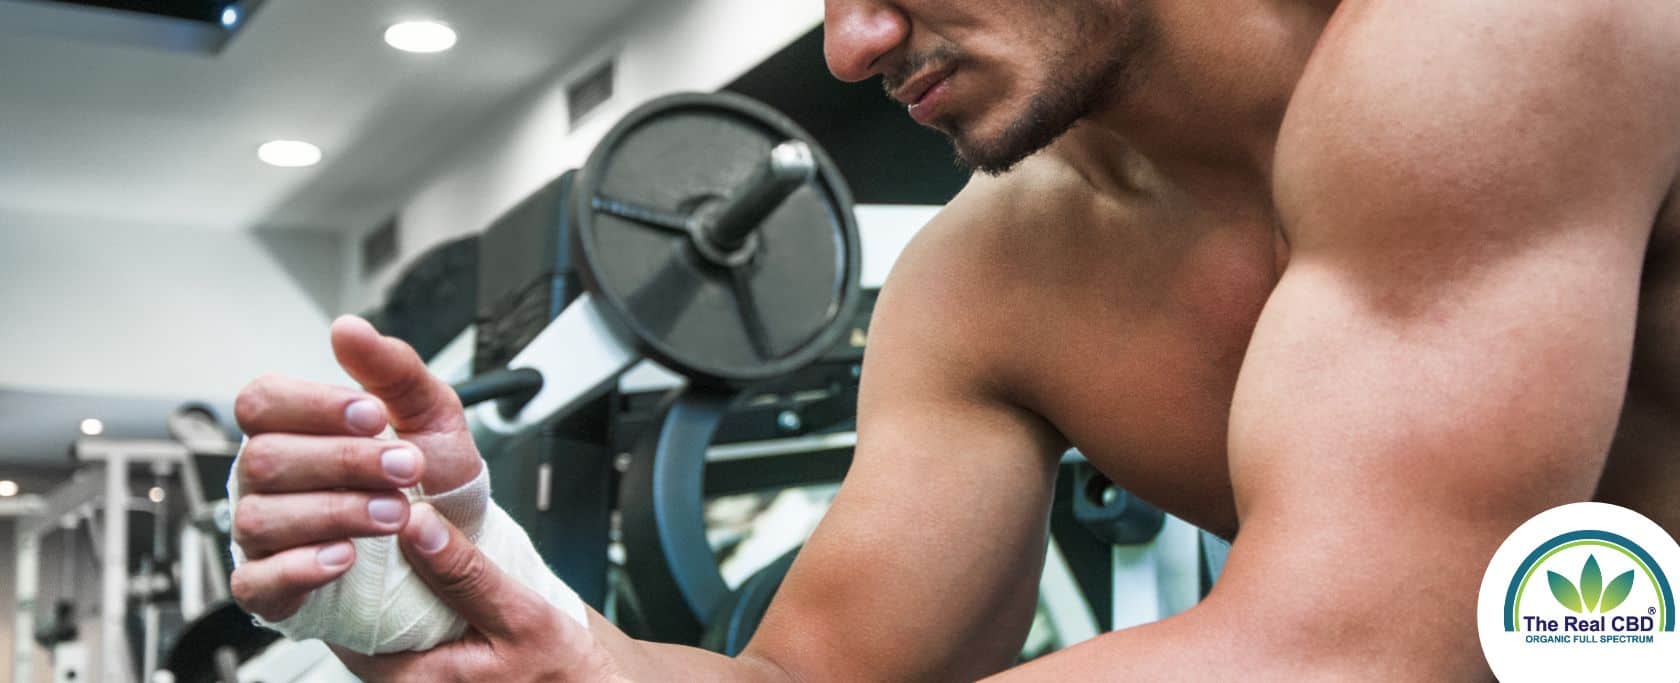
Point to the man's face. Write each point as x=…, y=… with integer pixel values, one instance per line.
x=1002, y=78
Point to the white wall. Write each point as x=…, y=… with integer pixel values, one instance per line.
x=120, y=309
x=669, y=46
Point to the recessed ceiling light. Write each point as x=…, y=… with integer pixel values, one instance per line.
x=8, y=488
x=289, y=153
x=93, y=427
x=155, y=494
x=230, y=16
x=420, y=36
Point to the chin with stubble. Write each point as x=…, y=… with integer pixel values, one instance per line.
x=1073, y=84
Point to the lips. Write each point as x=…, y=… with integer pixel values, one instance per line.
x=932, y=104
x=914, y=90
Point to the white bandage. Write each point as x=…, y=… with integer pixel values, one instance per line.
x=381, y=606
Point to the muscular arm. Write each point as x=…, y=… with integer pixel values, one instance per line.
x=1467, y=189
x=926, y=566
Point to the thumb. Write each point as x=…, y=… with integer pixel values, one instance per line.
x=422, y=408
x=390, y=369
x=467, y=581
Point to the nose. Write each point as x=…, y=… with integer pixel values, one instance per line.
x=858, y=33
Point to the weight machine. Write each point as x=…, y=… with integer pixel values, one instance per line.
x=98, y=498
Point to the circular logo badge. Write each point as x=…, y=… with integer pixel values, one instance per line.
x=1582, y=592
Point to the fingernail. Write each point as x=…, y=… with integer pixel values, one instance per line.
x=399, y=463
x=364, y=416
x=431, y=535
x=334, y=556
x=385, y=511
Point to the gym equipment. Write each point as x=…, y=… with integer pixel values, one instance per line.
x=225, y=645
x=433, y=299
x=735, y=619
x=774, y=261
x=533, y=277
x=1131, y=563
x=713, y=237
x=213, y=645
x=1111, y=513
x=669, y=559
x=796, y=430
x=140, y=597
x=705, y=232
x=1214, y=552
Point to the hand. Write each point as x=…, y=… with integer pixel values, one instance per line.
x=515, y=635
x=314, y=475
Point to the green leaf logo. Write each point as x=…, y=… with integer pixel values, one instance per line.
x=1617, y=591
x=1564, y=591
x=1593, y=594
x=1592, y=582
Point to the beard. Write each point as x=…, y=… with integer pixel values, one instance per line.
x=1076, y=86
x=1050, y=113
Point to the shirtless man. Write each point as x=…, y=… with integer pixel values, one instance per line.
x=1363, y=285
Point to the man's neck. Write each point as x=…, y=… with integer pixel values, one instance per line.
x=1207, y=104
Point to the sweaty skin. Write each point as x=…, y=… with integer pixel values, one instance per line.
x=1368, y=282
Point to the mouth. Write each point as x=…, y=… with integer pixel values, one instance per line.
x=913, y=91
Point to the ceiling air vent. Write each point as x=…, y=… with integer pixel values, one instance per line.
x=589, y=92
x=379, y=248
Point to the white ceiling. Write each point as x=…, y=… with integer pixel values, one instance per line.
x=169, y=138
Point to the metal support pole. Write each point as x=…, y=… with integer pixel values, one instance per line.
x=204, y=546
x=113, y=576
x=1137, y=585
x=192, y=573
x=1158, y=579
x=152, y=617
x=1064, y=603
x=26, y=585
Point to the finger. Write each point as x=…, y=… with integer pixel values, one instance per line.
x=287, y=463
x=391, y=370
x=274, y=587
x=265, y=524
x=273, y=403
x=466, y=581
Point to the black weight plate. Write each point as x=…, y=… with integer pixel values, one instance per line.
x=193, y=658
x=736, y=619
x=717, y=325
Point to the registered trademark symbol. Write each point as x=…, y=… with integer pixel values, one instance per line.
x=1650, y=610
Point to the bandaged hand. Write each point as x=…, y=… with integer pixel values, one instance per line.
x=515, y=634
x=318, y=496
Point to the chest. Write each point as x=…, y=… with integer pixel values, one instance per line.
x=1139, y=374
x=1150, y=362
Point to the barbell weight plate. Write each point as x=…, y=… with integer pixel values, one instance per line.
x=734, y=621
x=663, y=513
x=669, y=559
x=716, y=324
x=193, y=657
